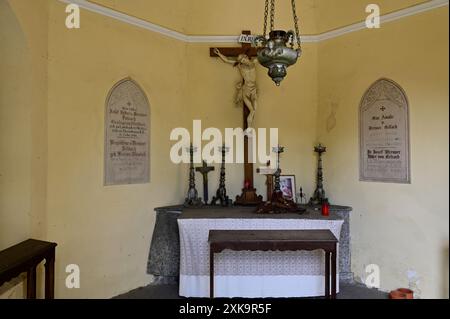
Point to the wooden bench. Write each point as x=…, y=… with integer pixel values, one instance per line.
x=276, y=240
x=25, y=257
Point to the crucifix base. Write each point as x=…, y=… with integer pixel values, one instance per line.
x=248, y=198
x=279, y=205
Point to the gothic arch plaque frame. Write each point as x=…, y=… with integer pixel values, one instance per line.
x=384, y=134
x=127, y=135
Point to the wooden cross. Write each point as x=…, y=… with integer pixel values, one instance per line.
x=204, y=170
x=248, y=196
x=268, y=172
x=246, y=48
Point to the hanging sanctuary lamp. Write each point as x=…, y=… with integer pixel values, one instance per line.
x=277, y=52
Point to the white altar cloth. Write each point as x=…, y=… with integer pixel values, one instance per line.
x=251, y=274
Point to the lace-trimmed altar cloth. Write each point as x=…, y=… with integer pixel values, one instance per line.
x=250, y=274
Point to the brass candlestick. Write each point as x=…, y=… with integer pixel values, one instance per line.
x=192, y=198
x=319, y=194
x=221, y=194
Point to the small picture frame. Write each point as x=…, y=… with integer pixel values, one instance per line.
x=287, y=185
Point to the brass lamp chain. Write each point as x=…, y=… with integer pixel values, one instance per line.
x=297, y=33
x=266, y=14
x=272, y=15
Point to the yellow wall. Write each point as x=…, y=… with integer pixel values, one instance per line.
x=107, y=230
x=229, y=17
x=206, y=17
x=331, y=16
x=398, y=227
x=171, y=14
x=15, y=117
x=23, y=118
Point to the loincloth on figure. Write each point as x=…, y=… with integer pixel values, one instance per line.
x=248, y=90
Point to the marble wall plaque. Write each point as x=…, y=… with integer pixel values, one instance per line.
x=384, y=134
x=127, y=122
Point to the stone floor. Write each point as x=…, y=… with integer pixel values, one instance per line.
x=348, y=291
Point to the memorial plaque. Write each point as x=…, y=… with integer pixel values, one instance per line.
x=384, y=134
x=127, y=135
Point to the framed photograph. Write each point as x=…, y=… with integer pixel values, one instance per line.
x=287, y=185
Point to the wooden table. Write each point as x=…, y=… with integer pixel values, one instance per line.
x=25, y=257
x=276, y=240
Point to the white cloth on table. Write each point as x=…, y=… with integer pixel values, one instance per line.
x=251, y=274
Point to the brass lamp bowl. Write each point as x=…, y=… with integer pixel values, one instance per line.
x=276, y=55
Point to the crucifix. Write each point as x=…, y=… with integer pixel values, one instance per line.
x=204, y=170
x=247, y=95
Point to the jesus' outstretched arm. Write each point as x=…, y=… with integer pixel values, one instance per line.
x=222, y=57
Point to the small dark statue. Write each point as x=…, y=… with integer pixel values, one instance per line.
x=278, y=203
x=319, y=194
x=192, y=198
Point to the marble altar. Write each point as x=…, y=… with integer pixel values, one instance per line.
x=164, y=257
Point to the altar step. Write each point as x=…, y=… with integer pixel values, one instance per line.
x=347, y=291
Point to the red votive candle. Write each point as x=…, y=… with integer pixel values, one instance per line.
x=325, y=209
